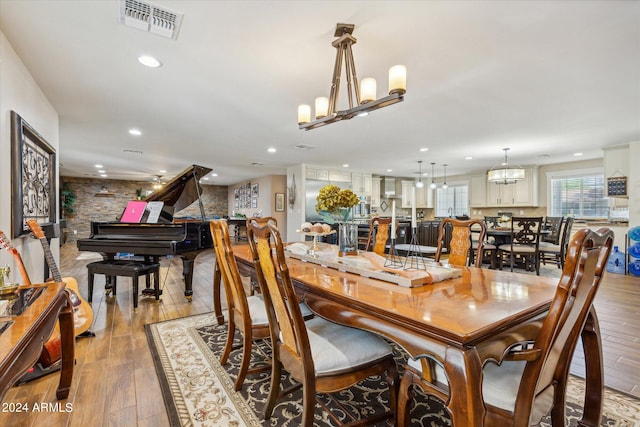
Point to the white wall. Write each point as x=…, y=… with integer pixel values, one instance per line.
x=634, y=184
x=20, y=93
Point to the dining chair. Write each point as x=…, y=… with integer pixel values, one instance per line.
x=553, y=226
x=461, y=251
x=557, y=252
x=525, y=243
x=525, y=380
x=248, y=314
x=378, y=235
x=323, y=357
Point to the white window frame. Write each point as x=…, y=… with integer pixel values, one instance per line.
x=566, y=174
x=452, y=184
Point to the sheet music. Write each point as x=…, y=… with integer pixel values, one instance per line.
x=153, y=210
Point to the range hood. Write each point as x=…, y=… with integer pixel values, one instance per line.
x=391, y=188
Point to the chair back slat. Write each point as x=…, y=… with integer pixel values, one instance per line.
x=460, y=244
x=236, y=295
x=283, y=310
x=558, y=336
x=378, y=235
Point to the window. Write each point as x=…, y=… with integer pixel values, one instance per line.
x=578, y=194
x=454, y=201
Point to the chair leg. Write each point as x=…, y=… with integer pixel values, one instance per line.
x=231, y=331
x=246, y=358
x=90, y=284
x=308, y=402
x=274, y=391
x=405, y=395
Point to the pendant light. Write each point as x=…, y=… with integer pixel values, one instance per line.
x=419, y=183
x=444, y=184
x=433, y=184
x=506, y=174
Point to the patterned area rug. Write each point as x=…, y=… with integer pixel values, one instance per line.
x=198, y=391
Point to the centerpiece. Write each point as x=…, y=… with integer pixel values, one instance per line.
x=335, y=206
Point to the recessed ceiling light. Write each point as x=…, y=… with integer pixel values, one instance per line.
x=98, y=166
x=104, y=175
x=271, y=150
x=214, y=174
x=101, y=171
x=389, y=170
x=468, y=158
x=346, y=165
x=135, y=132
x=423, y=149
x=149, y=61
x=577, y=154
x=205, y=178
x=163, y=171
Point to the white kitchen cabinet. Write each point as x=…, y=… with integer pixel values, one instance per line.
x=424, y=197
x=319, y=174
x=407, y=194
x=523, y=193
x=361, y=184
x=375, y=192
x=339, y=176
x=478, y=190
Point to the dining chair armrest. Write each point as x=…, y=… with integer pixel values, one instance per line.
x=503, y=343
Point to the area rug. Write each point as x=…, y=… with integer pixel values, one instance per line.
x=198, y=391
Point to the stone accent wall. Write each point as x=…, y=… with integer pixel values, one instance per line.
x=105, y=199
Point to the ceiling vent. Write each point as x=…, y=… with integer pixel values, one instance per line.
x=146, y=16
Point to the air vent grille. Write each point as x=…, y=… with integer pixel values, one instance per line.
x=146, y=16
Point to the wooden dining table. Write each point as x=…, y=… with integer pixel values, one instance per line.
x=461, y=323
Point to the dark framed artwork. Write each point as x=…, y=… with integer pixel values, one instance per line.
x=254, y=203
x=279, y=202
x=33, y=177
x=254, y=191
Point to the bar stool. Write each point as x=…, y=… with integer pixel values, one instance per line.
x=127, y=268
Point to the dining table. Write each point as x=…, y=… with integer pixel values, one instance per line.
x=461, y=323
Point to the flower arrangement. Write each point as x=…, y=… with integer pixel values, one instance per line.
x=335, y=204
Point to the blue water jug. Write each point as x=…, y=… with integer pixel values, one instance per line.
x=634, y=267
x=616, y=264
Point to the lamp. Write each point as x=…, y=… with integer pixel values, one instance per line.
x=365, y=95
x=444, y=184
x=505, y=174
x=419, y=183
x=433, y=184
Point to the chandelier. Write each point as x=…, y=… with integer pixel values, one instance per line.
x=326, y=109
x=505, y=174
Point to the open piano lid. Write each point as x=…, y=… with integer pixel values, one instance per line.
x=182, y=190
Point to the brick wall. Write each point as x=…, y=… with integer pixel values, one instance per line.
x=113, y=196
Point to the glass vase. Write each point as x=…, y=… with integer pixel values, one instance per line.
x=347, y=239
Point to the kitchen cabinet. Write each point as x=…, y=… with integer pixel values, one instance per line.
x=319, y=174
x=522, y=193
x=375, y=192
x=339, y=176
x=361, y=184
x=407, y=194
x=424, y=197
x=478, y=190
x=428, y=233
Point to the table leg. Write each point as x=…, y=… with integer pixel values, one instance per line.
x=464, y=371
x=67, y=337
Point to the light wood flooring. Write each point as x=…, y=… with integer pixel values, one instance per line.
x=115, y=383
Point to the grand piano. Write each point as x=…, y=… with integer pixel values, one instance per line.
x=184, y=238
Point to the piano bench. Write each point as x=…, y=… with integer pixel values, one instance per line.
x=128, y=268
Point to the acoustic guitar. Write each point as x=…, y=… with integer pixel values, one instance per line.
x=82, y=311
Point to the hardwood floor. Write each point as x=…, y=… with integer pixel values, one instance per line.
x=115, y=383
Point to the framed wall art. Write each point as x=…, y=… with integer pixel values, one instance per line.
x=33, y=177
x=254, y=191
x=279, y=202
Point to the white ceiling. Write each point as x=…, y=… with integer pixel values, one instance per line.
x=545, y=78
